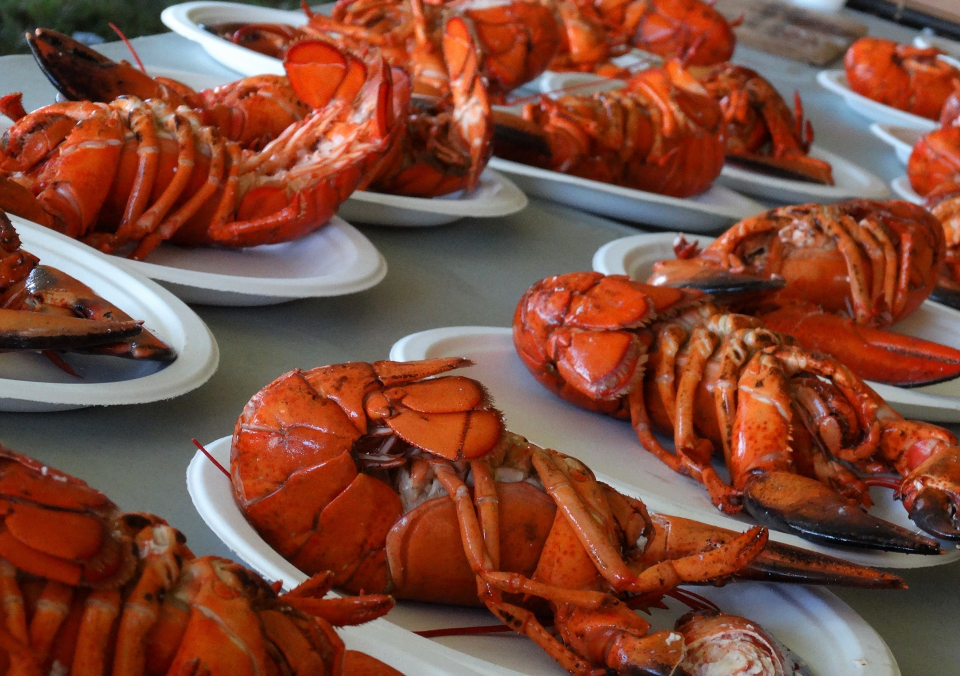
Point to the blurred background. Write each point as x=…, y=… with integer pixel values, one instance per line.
x=87, y=20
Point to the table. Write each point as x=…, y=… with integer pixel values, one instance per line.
x=469, y=273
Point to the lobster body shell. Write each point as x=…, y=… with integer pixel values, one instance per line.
x=662, y=134
x=904, y=77
x=88, y=589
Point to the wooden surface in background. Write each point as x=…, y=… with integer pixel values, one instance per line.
x=792, y=32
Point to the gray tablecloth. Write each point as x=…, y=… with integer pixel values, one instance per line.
x=468, y=273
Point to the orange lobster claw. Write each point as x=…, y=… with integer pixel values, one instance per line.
x=22, y=330
x=874, y=354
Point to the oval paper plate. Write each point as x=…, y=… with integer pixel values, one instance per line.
x=901, y=186
x=495, y=195
x=187, y=19
x=332, y=261
x=836, y=82
x=831, y=637
x=610, y=446
x=901, y=139
x=850, y=180
x=710, y=211
x=29, y=382
x=635, y=256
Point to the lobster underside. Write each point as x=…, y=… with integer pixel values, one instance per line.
x=411, y=487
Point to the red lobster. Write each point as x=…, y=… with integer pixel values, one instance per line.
x=663, y=134
x=89, y=590
x=133, y=173
x=761, y=129
x=846, y=270
x=797, y=429
x=907, y=78
x=411, y=487
x=41, y=308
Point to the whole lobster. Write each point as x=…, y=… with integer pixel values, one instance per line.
x=846, y=270
x=441, y=144
x=132, y=173
x=42, y=308
x=89, y=590
x=761, y=129
x=410, y=486
x=934, y=173
x=663, y=133
x=905, y=77
x=690, y=30
x=797, y=429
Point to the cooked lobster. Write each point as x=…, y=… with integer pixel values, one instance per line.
x=761, y=129
x=663, y=133
x=907, y=78
x=88, y=589
x=42, y=308
x=410, y=486
x=798, y=431
x=846, y=269
x=132, y=173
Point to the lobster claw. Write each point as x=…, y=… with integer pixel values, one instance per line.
x=795, y=504
x=23, y=330
x=777, y=562
x=82, y=74
x=931, y=494
x=871, y=353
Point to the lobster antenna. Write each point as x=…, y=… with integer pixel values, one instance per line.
x=210, y=457
x=60, y=363
x=136, y=57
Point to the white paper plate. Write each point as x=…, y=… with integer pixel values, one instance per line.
x=495, y=195
x=851, y=180
x=814, y=623
x=836, y=82
x=636, y=255
x=946, y=45
x=717, y=208
x=610, y=446
x=29, y=382
x=332, y=261
x=901, y=139
x=901, y=186
x=188, y=18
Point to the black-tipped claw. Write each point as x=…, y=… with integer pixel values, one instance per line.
x=727, y=285
x=804, y=507
x=23, y=330
x=948, y=297
x=934, y=511
x=784, y=563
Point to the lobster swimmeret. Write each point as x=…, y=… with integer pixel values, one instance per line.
x=797, y=429
x=412, y=487
x=905, y=77
x=42, y=308
x=89, y=590
x=847, y=269
x=663, y=133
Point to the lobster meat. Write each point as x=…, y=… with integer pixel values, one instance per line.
x=761, y=129
x=663, y=133
x=410, y=486
x=846, y=270
x=88, y=589
x=42, y=308
x=904, y=77
x=798, y=430
x=132, y=173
